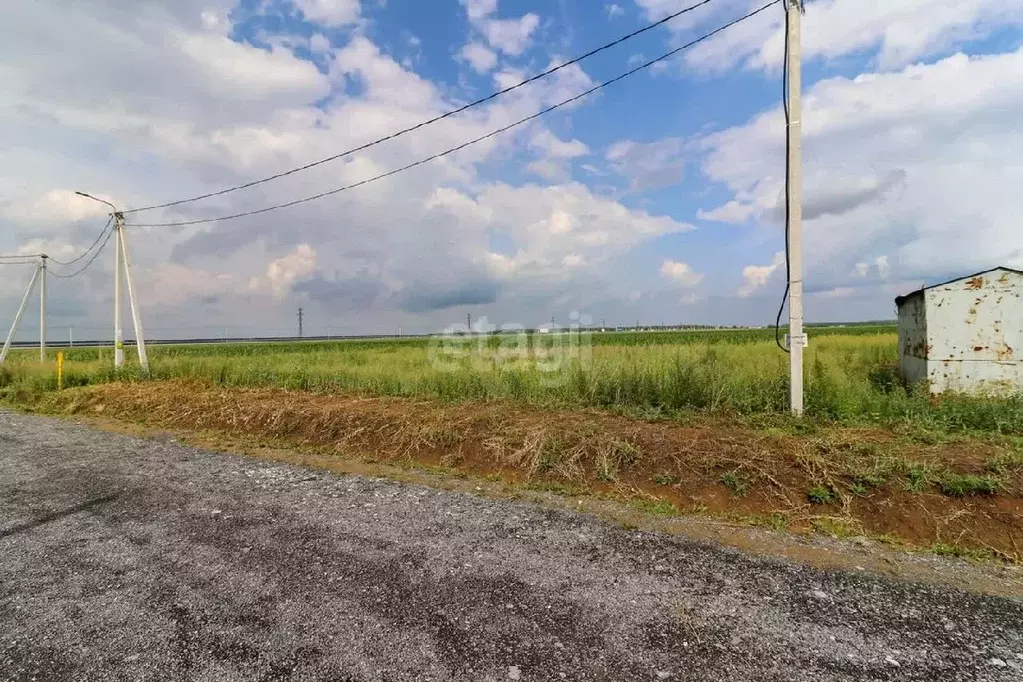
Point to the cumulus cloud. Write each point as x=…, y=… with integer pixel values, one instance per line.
x=680, y=273
x=57, y=206
x=890, y=169
x=924, y=180
x=479, y=57
x=884, y=269
x=755, y=277
x=479, y=9
x=614, y=10
x=896, y=33
x=284, y=272
x=330, y=12
x=648, y=165
x=550, y=145
x=510, y=36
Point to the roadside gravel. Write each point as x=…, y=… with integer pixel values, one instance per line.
x=127, y=558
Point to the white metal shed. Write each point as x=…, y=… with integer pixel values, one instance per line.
x=965, y=334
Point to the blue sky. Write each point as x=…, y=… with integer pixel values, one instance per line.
x=655, y=199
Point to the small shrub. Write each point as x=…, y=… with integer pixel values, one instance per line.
x=858, y=489
x=942, y=549
x=736, y=482
x=956, y=485
x=665, y=479
x=920, y=476
x=776, y=521
x=822, y=494
x=659, y=507
x=1005, y=463
x=839, y=528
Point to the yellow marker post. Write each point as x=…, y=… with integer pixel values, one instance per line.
x=60, y=371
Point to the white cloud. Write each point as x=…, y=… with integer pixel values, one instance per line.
x=511, y=36
x=755, y=277
x=680, y=273
x=319, y=44
x=479, y=9
x=736, y=212
x=883, y=268
x=890, y=168
x=57, y=206
x=330, y=12
x=479, y=57
x=895, y=33
x=614, y=10
x=549, y=170
x=648, y=165
x=282, y=273
x=548, y=143
x=171, y=284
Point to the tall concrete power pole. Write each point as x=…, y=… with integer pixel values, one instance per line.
x=42, y=308
x=122, y=268
x=794, y=179
x=300, y=323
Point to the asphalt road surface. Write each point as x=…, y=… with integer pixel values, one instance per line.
x=124, y=558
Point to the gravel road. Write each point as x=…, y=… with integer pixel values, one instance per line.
x=126, y=558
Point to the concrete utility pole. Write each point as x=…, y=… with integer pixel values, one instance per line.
x=468, y=321
x=794, y=229
x=136, y=315
x=118, y=329
x=122, y=267
x=42, y=308
x=300, y=323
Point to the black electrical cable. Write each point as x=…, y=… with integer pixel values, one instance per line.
x=492, y=133
x=86, y=252
x=422, y=124
x=95, y=255
x=785, y=106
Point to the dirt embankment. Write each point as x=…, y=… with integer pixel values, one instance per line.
x=963, y=496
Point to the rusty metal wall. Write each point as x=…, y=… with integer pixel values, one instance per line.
x=912, y=325
x=974, y=334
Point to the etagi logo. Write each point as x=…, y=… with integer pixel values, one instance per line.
x=550, y=351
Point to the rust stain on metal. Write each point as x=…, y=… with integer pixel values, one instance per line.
x=975, y=283
x=1004, y=353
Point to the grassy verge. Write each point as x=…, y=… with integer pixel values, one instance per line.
x=850, y=379
x=956, y=494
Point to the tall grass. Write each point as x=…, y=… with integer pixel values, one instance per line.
x=849, y=377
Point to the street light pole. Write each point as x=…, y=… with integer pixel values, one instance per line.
x=118, y=331
x=122, y=267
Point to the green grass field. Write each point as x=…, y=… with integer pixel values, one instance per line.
x=850, y=373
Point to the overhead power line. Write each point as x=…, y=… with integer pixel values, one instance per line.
x=25, y=259
x=89, y=262
x=86, y=252
x=481, y=138
x=423, y=124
